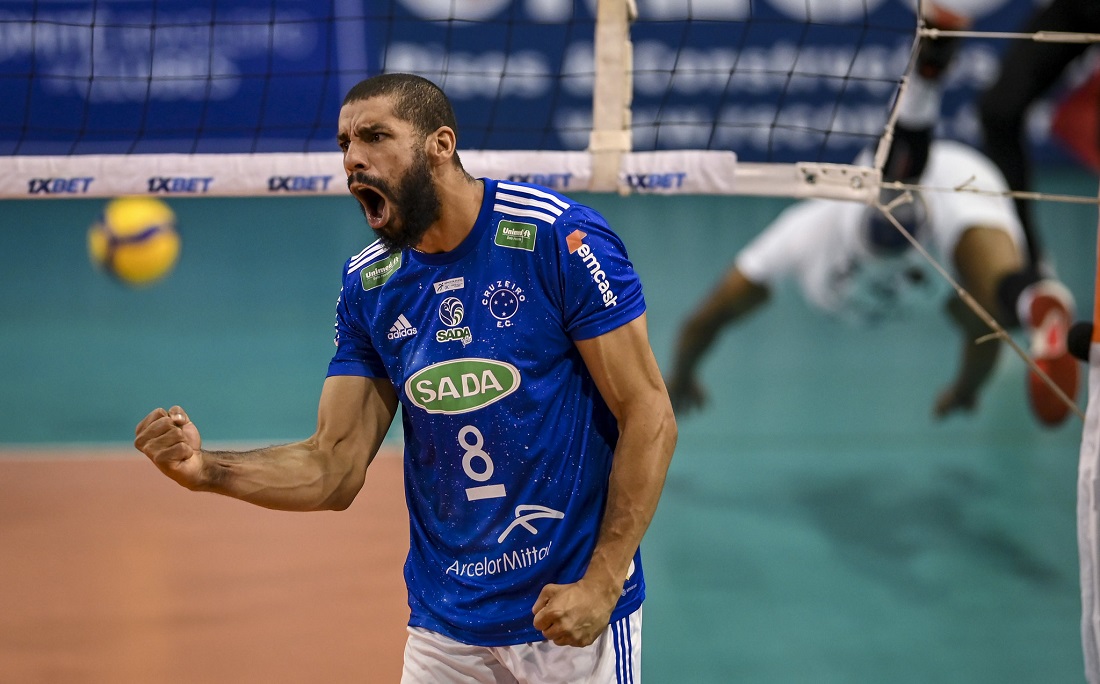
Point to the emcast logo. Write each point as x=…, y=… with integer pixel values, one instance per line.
x=577, y=246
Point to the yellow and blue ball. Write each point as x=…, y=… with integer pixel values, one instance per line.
x=135, y=240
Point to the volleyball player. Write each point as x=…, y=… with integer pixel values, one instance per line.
x=852, y=262
x=509, y=325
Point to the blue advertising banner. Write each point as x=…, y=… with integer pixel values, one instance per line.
x=772, y=80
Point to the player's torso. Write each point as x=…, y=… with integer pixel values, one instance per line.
x=507, y=443
x=478, y=352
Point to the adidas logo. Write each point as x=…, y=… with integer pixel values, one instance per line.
x=401, y=328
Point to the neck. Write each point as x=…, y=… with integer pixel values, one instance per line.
x=459, y=204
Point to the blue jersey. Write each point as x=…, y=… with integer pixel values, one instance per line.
x=508, y=444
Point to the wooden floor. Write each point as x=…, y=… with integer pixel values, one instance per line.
x=113, y=573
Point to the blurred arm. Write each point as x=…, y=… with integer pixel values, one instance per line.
x=734, y=297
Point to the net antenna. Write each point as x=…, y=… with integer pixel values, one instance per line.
x=758, y=97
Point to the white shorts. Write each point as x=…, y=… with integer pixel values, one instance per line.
x=614, y=658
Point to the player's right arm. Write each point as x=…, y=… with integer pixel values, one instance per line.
x=976, y=362
x=734, y=297
x=323, y=472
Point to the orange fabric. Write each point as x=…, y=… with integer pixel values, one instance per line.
x=1076, y=122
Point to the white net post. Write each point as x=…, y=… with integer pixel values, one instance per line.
x=611, y=93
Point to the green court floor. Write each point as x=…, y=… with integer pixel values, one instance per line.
x=817, y=526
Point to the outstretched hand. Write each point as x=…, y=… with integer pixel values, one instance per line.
x=172, y=443
x=574, y=614
x=950, y=400
x=686, y=394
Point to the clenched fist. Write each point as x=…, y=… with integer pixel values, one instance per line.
x=172, y=443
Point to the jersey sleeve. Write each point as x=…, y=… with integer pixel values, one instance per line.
x=602, y=290
x=355, y=353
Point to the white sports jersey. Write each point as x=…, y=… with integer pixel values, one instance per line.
x=820, y=243
x=508, y=443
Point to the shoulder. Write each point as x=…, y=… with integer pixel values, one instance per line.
x=525, y=211
x=371, y=267
x=525, y=202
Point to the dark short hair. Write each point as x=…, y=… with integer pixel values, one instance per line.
x=415, y=99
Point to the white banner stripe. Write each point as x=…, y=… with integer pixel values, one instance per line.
x=285, y=174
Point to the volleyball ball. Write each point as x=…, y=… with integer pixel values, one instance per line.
x=135, y=240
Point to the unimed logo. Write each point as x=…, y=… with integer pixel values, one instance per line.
x=376, y=274
x=516, y=235
x=461, y=385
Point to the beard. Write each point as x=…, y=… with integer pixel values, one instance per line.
x=413, y=204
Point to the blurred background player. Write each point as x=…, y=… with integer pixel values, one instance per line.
x=1029, y=69
x=851, y=261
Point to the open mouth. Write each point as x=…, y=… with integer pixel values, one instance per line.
x=374, y=204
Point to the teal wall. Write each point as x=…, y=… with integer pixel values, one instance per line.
x=817, y=524
x=241, y=331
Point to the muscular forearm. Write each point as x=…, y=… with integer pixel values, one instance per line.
x=642, y=458
x=976, y=360
x=623, y=367
x=323, y=472
x=293, y=477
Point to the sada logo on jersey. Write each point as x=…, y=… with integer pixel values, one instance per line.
x=451, y=313
x=461, y=385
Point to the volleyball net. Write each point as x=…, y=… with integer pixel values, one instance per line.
x=240, y=97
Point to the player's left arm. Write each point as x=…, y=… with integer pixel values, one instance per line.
x=984, y=255
x=626, y=374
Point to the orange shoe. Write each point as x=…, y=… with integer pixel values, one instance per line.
x=1051, y=313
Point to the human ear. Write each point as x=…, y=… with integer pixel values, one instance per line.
x=441, y=145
